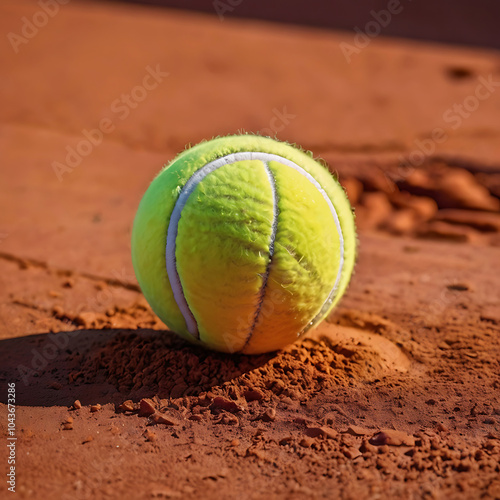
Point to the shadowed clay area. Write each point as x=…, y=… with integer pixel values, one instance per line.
x=106, y=366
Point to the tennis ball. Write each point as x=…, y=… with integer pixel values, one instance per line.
x=243, y=243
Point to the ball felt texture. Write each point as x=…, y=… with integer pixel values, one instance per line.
x=243, y=243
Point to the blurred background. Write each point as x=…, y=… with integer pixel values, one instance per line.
x=400, y=98
x=450, y=21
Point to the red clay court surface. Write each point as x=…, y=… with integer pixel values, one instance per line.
x=397, y=395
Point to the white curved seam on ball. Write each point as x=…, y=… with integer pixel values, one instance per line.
x=172, y=231
x=317, y=185
x=186, y=191
x=274, y=229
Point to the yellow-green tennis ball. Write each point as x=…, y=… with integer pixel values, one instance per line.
x=243, y=243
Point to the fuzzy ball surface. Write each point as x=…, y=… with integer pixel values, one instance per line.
x=243, y=243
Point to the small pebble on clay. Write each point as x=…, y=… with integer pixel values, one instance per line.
x=306, y=442
x=127, y=406
x=150, y=436
x=269, y=415
x=146, y=407
x=393, y=438
x=67, y=424
x=442, y=428
x=161, y=418
x=221, y=403
x=253, y=395
x=68, y=283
